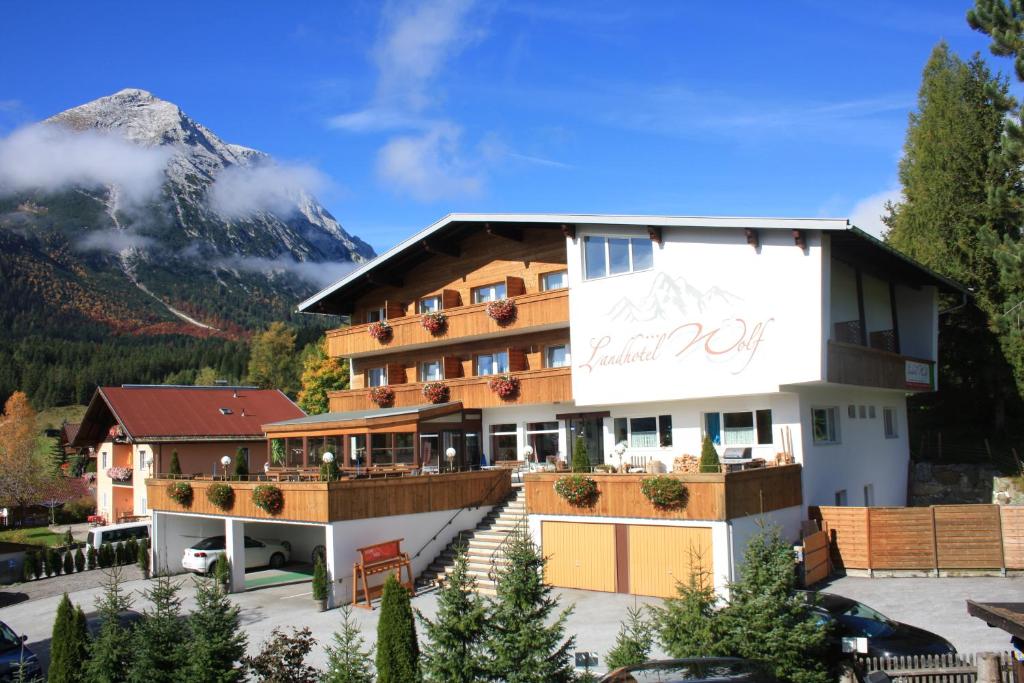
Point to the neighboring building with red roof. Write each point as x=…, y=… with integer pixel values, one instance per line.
x=135, y=430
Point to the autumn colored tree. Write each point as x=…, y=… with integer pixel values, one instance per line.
x=272, y=360
x=320, y=374
x=206, y=377
x=20, y=468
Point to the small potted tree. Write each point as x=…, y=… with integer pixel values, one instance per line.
x=321, y=583
x=709, y=457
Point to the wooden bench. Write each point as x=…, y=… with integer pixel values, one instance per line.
x=377, y=559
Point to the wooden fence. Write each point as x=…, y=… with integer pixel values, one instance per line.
x=947, y=537
x=958, y=668
x=816, y=566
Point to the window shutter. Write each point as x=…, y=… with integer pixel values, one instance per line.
x=514, y=286
x=396, y=373
x=450, y=298
x=394, y=309
x=517, y=360
x=452, y=367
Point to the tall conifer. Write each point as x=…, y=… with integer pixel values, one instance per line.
x=454, y=650
x=398, y=652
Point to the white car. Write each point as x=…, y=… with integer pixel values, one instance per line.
x=202, y=557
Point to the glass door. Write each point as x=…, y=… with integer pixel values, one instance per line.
x=429, y=455
x=453, y=439
x=592, y=431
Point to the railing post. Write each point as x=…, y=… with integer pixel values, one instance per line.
x=988, y=668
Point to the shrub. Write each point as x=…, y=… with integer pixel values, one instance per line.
x=131, y=550
x=329, y=471
x=435, y=392
x=580, y=460
x=181, y=493
x=241, y=464
x=175, y=466
x=384, y=396
x=143, y=557
x=398, y=651
x=79, y=560
x=434, y=322
x=53, y=561
x=69, y=563
x=664, y=492
x=634, y=642
x=347, y=661
x=268, y=498
x=30, y=566
x=78, y=510
x=282, y=659
x=220, y=496
x=222, y=573
x=119, y=554
x=321, y=582
x=709, y=457
x=91, y=557
x=105, y=556
x=576, y=489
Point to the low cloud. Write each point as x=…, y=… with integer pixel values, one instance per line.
x=114, y=240
x=52, y=158
x=319, y=274
x=867, y=213
x=240, y=191
x=428, y=166
x=376, y=119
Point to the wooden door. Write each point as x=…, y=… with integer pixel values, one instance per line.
x=661, y=556
x=579, y=555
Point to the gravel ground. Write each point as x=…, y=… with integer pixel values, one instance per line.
x=58, y=585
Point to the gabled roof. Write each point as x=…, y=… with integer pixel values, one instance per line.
x=183, y=413
x=363, y=419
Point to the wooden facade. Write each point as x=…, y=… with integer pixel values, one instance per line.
x=714, y=497
x=864, y=366
x=339, y=501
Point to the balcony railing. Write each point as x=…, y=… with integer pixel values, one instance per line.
x=863, y=366
x=714, y=497
x=337, y=501
x=540, y=310
x=535, y=386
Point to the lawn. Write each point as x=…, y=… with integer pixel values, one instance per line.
x=35, y=535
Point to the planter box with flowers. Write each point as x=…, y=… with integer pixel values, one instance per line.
x=664, y=492
x=268, y=498
x=577, y=490
x=434, y=322
x=220, y=496
x=120, y=475
x=381, y=331
x=384, y=396
x=502, y=311
x=505, y=386
x=436, y=392
x=181, y=493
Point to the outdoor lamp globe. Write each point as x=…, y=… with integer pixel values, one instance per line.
x=328, y=457
x=226, y=460
x=450, y=453
x=528, y=452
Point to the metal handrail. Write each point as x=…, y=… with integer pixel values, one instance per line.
x=518, y=529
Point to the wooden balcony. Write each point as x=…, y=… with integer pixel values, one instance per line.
x=537, y=311
x=339, y=501
x=867, y=367
x=713, y=497
x=547, y=385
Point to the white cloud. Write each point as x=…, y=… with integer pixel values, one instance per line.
x=50, y=158
x=114, y=240
x=240, y=191
x=867, y=213
x=375, y=119
x=319, y=274
x=428, y=166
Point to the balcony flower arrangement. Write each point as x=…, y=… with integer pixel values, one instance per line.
x=505, y=386
x=502, y=311
x=380, y=330
x=268, y=498
x=181, y=493
x=665, y=493
x=577, y=490
x=384, y=396
x=436, y=392
x=220, y=496
x=119, y=473
x=434, y=322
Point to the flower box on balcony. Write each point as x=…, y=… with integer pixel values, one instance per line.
x=120, y=475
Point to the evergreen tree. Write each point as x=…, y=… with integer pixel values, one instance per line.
x=92, y=557
x=454, y=651
x=79, y=560
x=110, y=654
x=767, y=621
x=709, y=456
x=222, y=573
x=159, y=640
x=175, y=467
x=347, y=661
x=69, y=563
x=273, y=363
x=580, y=459
x=241, y=464
x=30, y=566
x=64, y=662
x=216, y=644
x=282, y=659
x=53, y=561
x=206, y=377
x=58, y=456
x=131, y=551
x=522, y=646
x=143, y=557
x=320, y=374
x=633, y=643
x=321, y=582
x=119, y=553
x=687, y=625
x=398, y=652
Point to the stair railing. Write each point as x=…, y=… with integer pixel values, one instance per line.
x=514, y=532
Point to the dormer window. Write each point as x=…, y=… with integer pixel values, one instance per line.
x=430, y=304
x=489, y=293
x=225, y=411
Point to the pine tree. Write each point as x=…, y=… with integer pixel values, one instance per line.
x=30, y=567
x=580, y=459
x=119, y=553
x=69, y=563
x=282, y=659
x=143, y=557
x=709, y=456
x=175, y=467
x=91, y=557
x=222, y=573
x=347, y=661
x=321, y=582
x=79, y=560
x=454, y=651
x=398, y=652
x=216, y=643
x=62, y=645
x=58, y=456
x=159, y=641
x=687, y=625
x=241, y=464
x=633, y=643
x=522, y=646
x=53, y=559
x=767, y=621
x=320, y=374
x=110, y=654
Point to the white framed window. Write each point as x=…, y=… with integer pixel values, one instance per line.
x=492, y=363
x=871, y=412
x=375, y=315
x=644, y=432
x=542, y=437
x=604, y=256
x=557, y=356
x=851, y=412
x=376, y=377
x=104, y=459
x=430, y=371
x=557, y=280
x=504, y=442
x=862, y=412
x=430, y=304
x=741, y=428
x=489, y=293
x=825, y=425
x=889, y=423
x=841, y=497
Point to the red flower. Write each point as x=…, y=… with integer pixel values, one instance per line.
x=268, y=498
x=434, y=322
x=435, y=392
x=380, y=330
x=382, y=396
x=503, y=311
x=505, y=386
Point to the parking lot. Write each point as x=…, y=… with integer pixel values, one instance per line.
x=935, y=604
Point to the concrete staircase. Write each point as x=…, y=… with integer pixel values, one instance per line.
x=482, y=545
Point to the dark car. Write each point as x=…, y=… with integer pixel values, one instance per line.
x=698, y=670
x=884, y=637
x=15, y=658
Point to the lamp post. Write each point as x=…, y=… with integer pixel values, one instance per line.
x=225, y=462
x=620, y=452
x=527, y=453
x=328, y=459
x=449, y=455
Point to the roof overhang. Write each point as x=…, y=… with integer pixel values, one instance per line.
x=361, y=422
x=870, y=254
x=96, y=423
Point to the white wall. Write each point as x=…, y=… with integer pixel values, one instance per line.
x=714, y=317
x=863, y=455
x=302, y=537
x=877, y=304
x=843, y=295
x=521, y=416
x=917, y=317
x=139, y=475
x=173, y=532
x=787, y=520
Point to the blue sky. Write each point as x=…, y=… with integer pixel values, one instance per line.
x=412, y=110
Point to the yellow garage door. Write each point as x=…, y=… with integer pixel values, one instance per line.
x=579, y=555
x=661, y=556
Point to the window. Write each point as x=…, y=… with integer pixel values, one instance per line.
x=376, y=377
x=747, y=428
x=492, y=363
x=871, y=412
x=869, y=495
x=604, y=256
x=557, y=356
x=503, y=442
x=841, y=497
x=429, y=304
x=825, y=425
x=889, y=422
x=665, y=431
x=542, y=437
x=644, y=432
x=104, y=465
x=430, y=371
x=375, y=315
x=489, y=293
x=559, y=280
x=862, y=412
x=391, y=448
x=851, y=412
